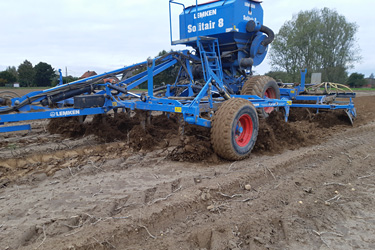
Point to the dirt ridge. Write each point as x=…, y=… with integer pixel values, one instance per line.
x=311, y=183
x=172, y=212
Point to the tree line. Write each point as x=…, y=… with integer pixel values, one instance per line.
x=43, y=75
x=40, y=75
x=27, y=75
x=323, y=41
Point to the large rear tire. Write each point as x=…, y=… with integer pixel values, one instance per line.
x=264, y=87
x=234, y=129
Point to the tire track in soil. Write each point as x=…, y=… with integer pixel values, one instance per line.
x=197, y=188
x=291, y=218
x=275, y=213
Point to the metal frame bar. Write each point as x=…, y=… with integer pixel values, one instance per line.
x=190, y=104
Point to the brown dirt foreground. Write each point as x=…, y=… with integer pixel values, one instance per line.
x=308, y=185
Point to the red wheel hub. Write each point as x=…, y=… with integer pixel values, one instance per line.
x=271, y=94
x=244, y=130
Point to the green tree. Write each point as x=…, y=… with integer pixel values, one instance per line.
x=280, y=76
x=6, y=77
x=44, y=74
x=3, y=82
x=66, y=79
x=168, y=76
x=13, y=70
x=356, y=80
x=26, y=74
x=319, y=40
x=69, y=78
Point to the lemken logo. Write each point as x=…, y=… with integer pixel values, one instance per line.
x=65, y=113
x=204, y=14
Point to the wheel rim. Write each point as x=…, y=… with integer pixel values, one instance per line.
x=244, y=130
x=271, y=94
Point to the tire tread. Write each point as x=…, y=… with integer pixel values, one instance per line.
x=222, y=128
x=255, y=86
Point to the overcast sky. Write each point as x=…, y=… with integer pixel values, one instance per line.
x=105, y=35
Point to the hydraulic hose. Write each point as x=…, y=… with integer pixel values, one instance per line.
x=269, y=33
x=65, y=95
x=82, y=84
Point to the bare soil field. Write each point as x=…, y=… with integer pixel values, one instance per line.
x=110, y=184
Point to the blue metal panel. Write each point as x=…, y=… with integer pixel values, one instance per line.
x=309, y=98
x=289, y=93
x=323, y=106
x=56, y=113
x=15, y=128
x=216, y=19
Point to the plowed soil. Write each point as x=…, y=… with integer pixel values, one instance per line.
x=132, y=182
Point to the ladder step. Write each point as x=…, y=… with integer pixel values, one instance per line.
x=210, y=59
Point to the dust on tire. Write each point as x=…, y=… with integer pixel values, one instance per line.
x=222, y=131
x=257, y=85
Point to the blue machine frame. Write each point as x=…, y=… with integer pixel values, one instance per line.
x=190, y=103
x=221, y=52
